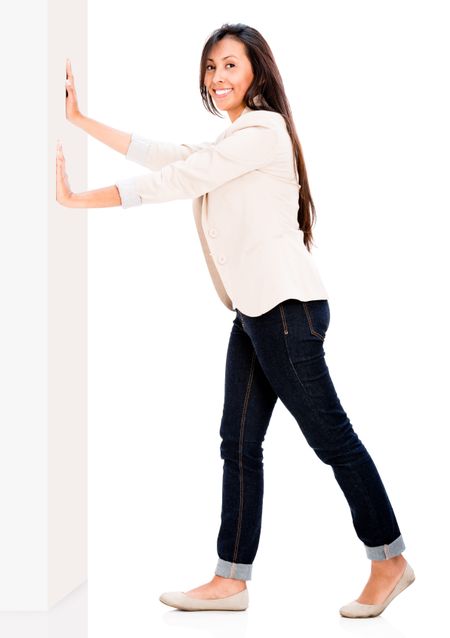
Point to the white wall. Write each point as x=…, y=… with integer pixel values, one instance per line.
x=43, y=336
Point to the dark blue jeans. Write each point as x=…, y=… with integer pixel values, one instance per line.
x=281, y=354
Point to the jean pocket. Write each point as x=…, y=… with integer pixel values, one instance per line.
x=317, y=312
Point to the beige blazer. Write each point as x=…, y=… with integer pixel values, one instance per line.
x=245, y=190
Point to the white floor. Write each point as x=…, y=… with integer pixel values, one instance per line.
x=308, y=609
x=67, y=619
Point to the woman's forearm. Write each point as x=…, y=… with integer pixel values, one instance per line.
x=118, y=140
x=100, y=198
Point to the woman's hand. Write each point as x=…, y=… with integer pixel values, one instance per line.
x=99, y=198
x=72, y=110
x=63, y=192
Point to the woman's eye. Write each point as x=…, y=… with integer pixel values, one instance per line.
x=229, y=63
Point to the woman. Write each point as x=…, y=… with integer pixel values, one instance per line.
x=252, y=208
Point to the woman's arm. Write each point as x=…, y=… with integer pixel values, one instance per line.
x=100, y=198
x=251, y=146
x=154, y=154
x=118, y=140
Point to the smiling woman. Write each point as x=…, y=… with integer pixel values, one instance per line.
x=228, y=82
x=254, y=213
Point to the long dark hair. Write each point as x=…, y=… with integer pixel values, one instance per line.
x=267, y=85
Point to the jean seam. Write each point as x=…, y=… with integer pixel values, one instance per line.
x=311, y=327
x=241, y=471
x=313, y=407
x=283, y=319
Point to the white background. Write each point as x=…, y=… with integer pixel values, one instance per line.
x=368, y=86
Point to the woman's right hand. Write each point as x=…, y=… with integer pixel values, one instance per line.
x=72, y=110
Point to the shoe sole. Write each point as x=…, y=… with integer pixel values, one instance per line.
x=179, y=600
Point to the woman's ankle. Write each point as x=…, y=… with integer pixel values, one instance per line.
x=228, y=581
x=389, y=563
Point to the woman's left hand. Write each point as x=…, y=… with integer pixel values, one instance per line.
x=63, y=192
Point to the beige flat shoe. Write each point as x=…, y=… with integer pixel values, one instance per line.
x=355, y=609
x=178, y=599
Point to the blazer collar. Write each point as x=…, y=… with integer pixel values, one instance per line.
x=258, y=100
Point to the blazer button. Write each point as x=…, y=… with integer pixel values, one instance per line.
x=213, y=232
x=221, y=259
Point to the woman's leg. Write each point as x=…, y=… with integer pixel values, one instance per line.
x=248, y=405
x=288, y=341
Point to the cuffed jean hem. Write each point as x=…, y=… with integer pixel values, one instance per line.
x=241, y=571
x=383, y=552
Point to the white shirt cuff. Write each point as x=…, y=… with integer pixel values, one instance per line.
x=128, y=193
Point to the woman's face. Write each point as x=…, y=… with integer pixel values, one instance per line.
x=234, y=72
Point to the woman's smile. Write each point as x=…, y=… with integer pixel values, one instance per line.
x=223, y=93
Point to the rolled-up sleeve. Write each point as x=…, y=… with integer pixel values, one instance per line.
x=246, y=149
x=138, y=150
x=155, y=154
x=128, y=194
